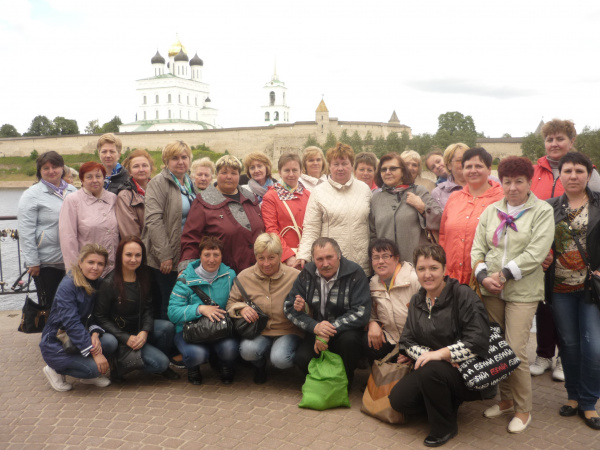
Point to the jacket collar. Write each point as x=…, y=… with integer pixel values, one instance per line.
x=213, y=199
x=560, y=209
x=544, y=164
x=190, y=276
x=503, y=206
x=402, y=279
x=90, y=199
x=495, y=187
x=445, y=297
x=339, y=186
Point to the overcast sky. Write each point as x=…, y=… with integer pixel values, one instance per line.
x=507, y=64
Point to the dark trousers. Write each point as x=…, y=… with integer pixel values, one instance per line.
x=437, y=389
x=373, y=354
x=46, y=284
x=547, y=338
x=347, y=344
x=165, y=283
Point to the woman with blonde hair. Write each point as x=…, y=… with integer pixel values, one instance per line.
x=412, y=160
x=314, y=167
x=169, y=197
x=456, y=181
x=203, y=171
x=258, y=168
x=71, y=314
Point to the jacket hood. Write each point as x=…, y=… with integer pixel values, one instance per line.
x=213, y=199
x=347, y=267
x=191, y=278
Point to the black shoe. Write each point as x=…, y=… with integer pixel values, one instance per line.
x=260, y=375
x=226, y=373
x=194, y=375
x=432, y=441
x=592, y=422
x=170, y=374
x=177, y=363
x=567, y=411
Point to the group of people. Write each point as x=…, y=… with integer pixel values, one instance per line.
x=361, y=253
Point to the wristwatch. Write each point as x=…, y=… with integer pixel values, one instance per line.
x=501, y=277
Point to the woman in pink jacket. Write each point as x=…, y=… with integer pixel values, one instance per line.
x=284, y=205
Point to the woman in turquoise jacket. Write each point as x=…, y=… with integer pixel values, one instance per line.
x=215, y=279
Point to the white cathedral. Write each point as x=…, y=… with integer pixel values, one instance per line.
x=175, y=99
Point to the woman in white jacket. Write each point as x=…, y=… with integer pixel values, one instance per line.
x=339, y=209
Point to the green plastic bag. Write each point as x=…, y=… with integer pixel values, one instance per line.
x=326, y=384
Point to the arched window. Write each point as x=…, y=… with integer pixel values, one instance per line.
x=144, y=99
x=179, y=98
x=276, y=117
x=272, y=98
x=169, y=98
x=157, y=113
x=188, y=115
x=267, y=116
x=169, y=114
x=196, y=101
x=156, y=99
x=144, y=115
x=188, y=99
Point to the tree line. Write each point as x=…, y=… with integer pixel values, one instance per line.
x=60, y=126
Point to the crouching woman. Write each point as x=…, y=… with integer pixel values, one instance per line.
x=71, y=313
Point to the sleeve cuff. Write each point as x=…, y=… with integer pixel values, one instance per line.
x=514, y=269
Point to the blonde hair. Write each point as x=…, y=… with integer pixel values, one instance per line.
x=268, y=242
x=79, y=279
x=228, y=161
x=175, y=149
x=340, y=151
x=451, y=150
x=109, y=138
x=310, y=152
x=136, y=154
x=411, y=155
x=261, y=158
x=203, y=162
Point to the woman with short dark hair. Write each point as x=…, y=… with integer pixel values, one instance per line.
x=365, y=166
x=38, y=213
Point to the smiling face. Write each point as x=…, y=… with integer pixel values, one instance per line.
x=258, y=172
x=326, y=260
x=557, y=145
x=290, y=173
x=109, y=156
x=431, y=275
x=132, y=256
x=268, y=263
x=574, y=178
x=202, y=177
x=92, y=266
x=391, y=173
x=516, y=189
x=314, y=166
x=384, y=264
x=179, y=165
x=139, y=169
x=365, y=172
x=93, y=181
x=475, y=172
x=435, y=164
x=211, y=259
x=51, y=173
x=227, y=180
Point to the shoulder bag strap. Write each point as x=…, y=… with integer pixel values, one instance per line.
x=578, y=244
x=238, y=283
x=203, y=296
x=296, y=228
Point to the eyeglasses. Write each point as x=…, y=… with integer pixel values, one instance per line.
x=389, y=169
x=385, y=257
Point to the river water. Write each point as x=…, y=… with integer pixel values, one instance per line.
x=9, y=263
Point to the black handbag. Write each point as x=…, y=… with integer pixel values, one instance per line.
x=249, y=330
x=482, y=373
x=202, y=330
x=592, y=280
x=34, y=316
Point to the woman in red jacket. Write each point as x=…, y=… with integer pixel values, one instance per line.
x=284, y=205
x=462, y=211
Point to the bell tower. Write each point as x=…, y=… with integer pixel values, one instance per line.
x=276, y=109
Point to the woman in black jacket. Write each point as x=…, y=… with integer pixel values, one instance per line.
x=124, y=309
x=432, y=338
x=575, y=305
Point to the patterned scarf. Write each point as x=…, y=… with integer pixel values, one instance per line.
x=140, y=190
x=506, y=221
x=398, y=190
x=186, y=190
x=60, y=190
x=285, y=194
x=259, y=190
x=115, y=171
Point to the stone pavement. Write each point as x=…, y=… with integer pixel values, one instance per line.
x=151, y=412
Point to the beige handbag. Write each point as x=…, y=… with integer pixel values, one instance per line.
x=295, y=227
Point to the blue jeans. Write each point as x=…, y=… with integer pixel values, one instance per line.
x=154, y=353
x=283, y=350
x=84, y=366
x=578, y=325
x=227, y=350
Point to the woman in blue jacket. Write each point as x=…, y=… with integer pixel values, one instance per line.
x=71, y=314
x=215, y=279
x=38, y=212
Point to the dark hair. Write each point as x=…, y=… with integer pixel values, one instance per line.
x=433, y=251
x=382, y=245
x=48, y=157
x=576, y=158
x=89, y=167
x=210, y=243
x=406, y=178
x=141, y=273
x=484, y=156
x=515, y=166
x=322, y=242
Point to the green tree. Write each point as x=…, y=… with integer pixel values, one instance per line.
x=92, y=127
x=533, y=147
x=379, y=146
x=588, y=142
x=356, y=142
x=344, y=138
x=424, y=143
x=112, y=126
x=329, y=142
x=311, y=141
x=40, y=126
x=8, y=130
x=455, y=127
x=64, y=126
x=404, y=140
x=506, y=135
x=34, y=154
x=368, y=140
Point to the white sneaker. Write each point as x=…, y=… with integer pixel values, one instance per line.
x=516, y=425
x=540, y=366
x=558, y=374
x=98, y=381
x=57, y=381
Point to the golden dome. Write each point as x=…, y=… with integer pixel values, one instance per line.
x=176, y=47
